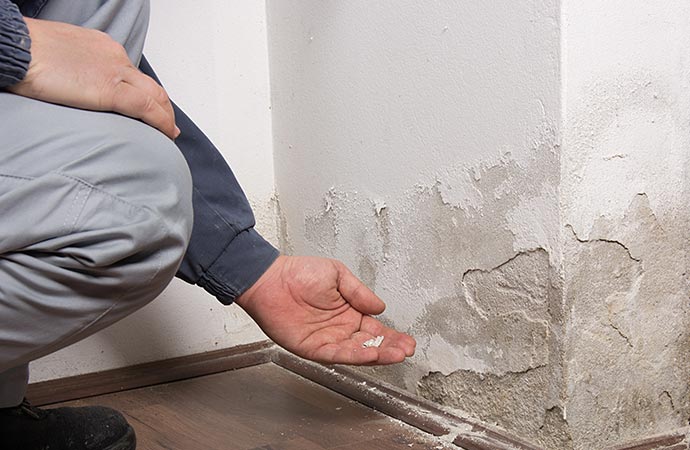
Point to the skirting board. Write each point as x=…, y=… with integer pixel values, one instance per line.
x=671, y=441
x=465, y=433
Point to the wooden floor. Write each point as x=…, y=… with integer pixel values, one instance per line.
x=257, y=408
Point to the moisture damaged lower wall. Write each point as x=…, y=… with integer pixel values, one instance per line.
x=468, y=263
x=627, y=343
x=513, y=182
x=570, y=338
x=626, y=228
x=507, y=320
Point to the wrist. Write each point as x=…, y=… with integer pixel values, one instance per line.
x=268, y=278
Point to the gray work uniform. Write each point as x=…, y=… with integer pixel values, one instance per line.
x=96, y=212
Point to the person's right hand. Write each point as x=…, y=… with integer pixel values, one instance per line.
x=87, y=69
x=317, y=309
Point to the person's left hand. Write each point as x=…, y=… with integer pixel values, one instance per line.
x=87, y=69
x=317, y=309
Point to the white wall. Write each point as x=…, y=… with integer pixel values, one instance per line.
x=213, y=63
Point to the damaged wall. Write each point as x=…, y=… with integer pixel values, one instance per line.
x=545, y=281
x=626, y=217
x=418, y=142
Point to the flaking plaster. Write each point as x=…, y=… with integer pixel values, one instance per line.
x=513, y=182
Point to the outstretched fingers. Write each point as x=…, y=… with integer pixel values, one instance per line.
x=355, y=354
x=394, y=347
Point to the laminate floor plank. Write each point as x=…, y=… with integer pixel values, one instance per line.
x=262, y=407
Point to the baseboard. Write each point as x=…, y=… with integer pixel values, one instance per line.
x=392, y=401
x=677, y=440
x=148, y=374
x=463, y=432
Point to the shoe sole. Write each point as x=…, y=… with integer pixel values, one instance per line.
x=126, y=442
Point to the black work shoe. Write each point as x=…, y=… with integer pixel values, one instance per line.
x=25, y=427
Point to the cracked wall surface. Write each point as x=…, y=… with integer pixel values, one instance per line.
x=481, y=308
x=627, y=338
x=626, y=217
x=430, y=166
x=514, y=183
x=509, y=348
x=512, y=180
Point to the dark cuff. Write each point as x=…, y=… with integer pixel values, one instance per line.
x=15, y=45
x=242, y=262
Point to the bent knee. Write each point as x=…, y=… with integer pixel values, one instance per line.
x=141, y=166
x=140, y=205
x=126, y=251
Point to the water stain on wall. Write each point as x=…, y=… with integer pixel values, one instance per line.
x=502, y=317
x=498, y=316
x=448, y=258
x=627, y=329
x=625, y=257
x=322, y=228
x=515, y=401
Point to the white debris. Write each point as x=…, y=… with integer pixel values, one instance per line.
x=373, y=342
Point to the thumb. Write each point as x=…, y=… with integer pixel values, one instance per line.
x=357, y=294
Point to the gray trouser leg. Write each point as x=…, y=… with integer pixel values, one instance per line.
x=96, y=215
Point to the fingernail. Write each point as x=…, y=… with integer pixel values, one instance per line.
x=177, y=132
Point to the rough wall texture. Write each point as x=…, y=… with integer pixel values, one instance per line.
x=417, y=142
x=509, y=334
x=513, y=182
x=478, y=286
x=626, y=218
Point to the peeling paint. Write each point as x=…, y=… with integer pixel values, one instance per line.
x=474, y=279
x=383, y=228
x=284, y=243
x=502, y=331
x=534, y=169
x=322, y=228
x=615, y=143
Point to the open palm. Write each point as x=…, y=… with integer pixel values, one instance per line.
x=317, y=309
